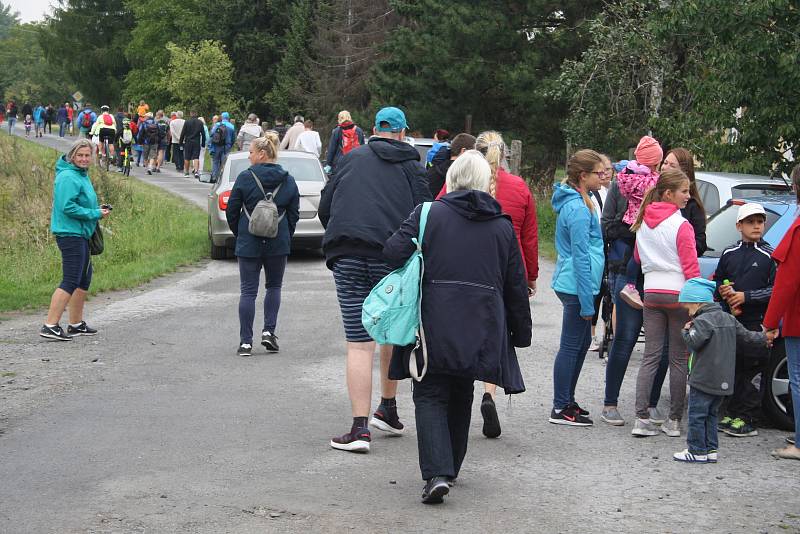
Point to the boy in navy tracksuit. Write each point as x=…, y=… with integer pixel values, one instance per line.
x=750, y=271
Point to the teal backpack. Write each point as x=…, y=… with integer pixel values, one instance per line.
x=392, y=312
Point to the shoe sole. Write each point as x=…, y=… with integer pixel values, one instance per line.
x=671, y=433
x=491, y=422
x=733, y=434
x=55, y=337
x=644, y=433
x=691, y=461
x=244, y=354
x=82, y=334
x=269, y=346
x=354, y=446
x=567, y=423
x=631, y=303
x=613, y=422
x=436, y=496
x=384, y=426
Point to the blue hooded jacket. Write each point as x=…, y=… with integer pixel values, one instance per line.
x=579, y=243
x=75, y=210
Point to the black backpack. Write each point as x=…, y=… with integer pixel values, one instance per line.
x=152, y=134
x=220, y=137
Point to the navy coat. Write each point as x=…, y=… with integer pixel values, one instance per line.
x=475, y=306
x=246, y=191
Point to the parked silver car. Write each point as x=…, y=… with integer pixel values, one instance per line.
x=717, y=188
x=307, y=171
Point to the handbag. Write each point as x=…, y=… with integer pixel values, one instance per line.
x=96, y=244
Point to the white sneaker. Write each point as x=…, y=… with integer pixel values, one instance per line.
x=595, y=346
x=643, y=428
x=686, y=456
x=657, y=417
x=713, y=456
x=672, y=428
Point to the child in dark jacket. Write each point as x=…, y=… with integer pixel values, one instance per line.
x=750, y=271
x=712, y=336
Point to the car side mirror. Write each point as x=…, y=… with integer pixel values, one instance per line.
x=206, y=178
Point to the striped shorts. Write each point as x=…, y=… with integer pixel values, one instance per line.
x=354, y=278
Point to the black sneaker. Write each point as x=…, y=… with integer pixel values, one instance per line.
x=386, y=419
x=80, y=330
x=149, y=172
x=270, y=341
x=55, y=332
x=569, y=416
x=491, y=423
x=581, y=411
x=739, y=428
x=157, y=170
x=357, y=440
x=435, y=490
x=245, y=349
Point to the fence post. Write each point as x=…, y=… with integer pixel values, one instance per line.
x=516, y=157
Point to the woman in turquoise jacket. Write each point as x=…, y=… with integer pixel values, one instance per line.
x=72, y=221
x=579, y=269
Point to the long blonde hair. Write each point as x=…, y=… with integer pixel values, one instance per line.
x=669, y=180
x=491, y=145
x=584, y=160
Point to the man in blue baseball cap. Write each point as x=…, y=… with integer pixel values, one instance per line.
x=371, y=192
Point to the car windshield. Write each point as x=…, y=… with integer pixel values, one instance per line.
x=721, y=229
x=758, y=190
x=301, y=169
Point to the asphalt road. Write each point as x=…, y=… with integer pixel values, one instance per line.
x=156, y=426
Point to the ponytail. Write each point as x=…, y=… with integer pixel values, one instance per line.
x=491, y=145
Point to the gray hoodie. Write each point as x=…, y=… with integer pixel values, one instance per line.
x=712, y=340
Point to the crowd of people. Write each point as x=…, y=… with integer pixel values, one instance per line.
x=641, y=222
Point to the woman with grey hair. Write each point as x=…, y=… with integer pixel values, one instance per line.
x=250, y=130
x=474, y=312
x=73, y=220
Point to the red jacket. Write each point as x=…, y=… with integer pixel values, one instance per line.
x=516, y=200
x=785, y=301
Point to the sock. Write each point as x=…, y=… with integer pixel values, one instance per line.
x=558, y=411
x=359, y=422
x=50, y=325
x=389, y=403
x=76, y=325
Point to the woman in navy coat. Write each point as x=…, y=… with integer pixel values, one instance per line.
x=475, y=310
x=255, y=253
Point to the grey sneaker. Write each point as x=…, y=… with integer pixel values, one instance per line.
x=657, y=417
x=643, y=428
x=611, y=416
x=672, y=428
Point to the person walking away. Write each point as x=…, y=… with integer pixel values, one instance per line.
x=27, y=109
x=105, y=128
x=598, y=199
x=694, y=212
x=86, y=119
x=49, y=115
x=11, y=111
x=222, y=137
x=150, y=138
x=126, y=139
x=744, y=277
x=293, y=133
x=250, y=130
x=516, y=201
x=164, y=143
x=344, y=138
x=204, y=145
x=73, y=220
x=62, y=119
x=714, y=337
x=280, y=128
x=38, y=120
x=309, y=140
x=255, y=253
x=373, y=190
x=665, y=248
x=119, y=117
x=175, y=131
x=784, y=311
x=70, y=117
x=579, y=270
x=192, y=139
x=441, y=140
x=475, y=310
x=28, y=123
x=438, y=170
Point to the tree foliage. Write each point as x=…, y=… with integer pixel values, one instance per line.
x=25, y=75
x=200, y=77
x=8, y=19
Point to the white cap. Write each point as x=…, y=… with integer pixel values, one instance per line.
x=751, y=208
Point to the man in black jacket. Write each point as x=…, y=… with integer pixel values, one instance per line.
x=371, y=193
x=439, y=166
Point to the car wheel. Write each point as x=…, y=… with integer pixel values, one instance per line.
x=777, y=401
x=218, y=253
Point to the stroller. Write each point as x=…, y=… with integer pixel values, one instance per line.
x=606, y=311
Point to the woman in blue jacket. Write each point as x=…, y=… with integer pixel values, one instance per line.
x=72, y=221
x=475, y=310
x=579, y=269
x=255, y=253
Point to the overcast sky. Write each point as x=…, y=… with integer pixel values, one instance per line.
x=30, y=10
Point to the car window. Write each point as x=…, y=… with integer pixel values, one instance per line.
x=709, y=194
x=758, y=190
x=721, y=229
x=301, y=169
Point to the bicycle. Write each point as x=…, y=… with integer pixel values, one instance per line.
x=104, y=156
x=126, y=161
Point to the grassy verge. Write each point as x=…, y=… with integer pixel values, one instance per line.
x=149, y=233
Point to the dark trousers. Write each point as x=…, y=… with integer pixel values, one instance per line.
x=76, y=263
x=177, y=156
x=701, y=436
x=250, y=276
x=443, y=407
x=745, y=403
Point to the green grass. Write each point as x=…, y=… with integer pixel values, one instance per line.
x=149, y=233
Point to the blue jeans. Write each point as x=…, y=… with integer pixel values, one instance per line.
x=701, y=436
x=218, y=160
x=629, y=324
x=250, y=276
x=11, y=122
x=576, y=336
x=62, y=128
x=793, y=365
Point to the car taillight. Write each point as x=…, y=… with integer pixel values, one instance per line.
x=223, y=200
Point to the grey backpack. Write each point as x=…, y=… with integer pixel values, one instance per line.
x=264, y=220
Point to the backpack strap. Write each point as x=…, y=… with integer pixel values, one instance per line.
x=421, y=342
x=271, y=193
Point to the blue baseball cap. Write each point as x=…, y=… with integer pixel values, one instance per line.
x=225, y=115
x=697, y=290
x=394, y=117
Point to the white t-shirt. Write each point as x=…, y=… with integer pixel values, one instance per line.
x=175, y=129
x=309, y=141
